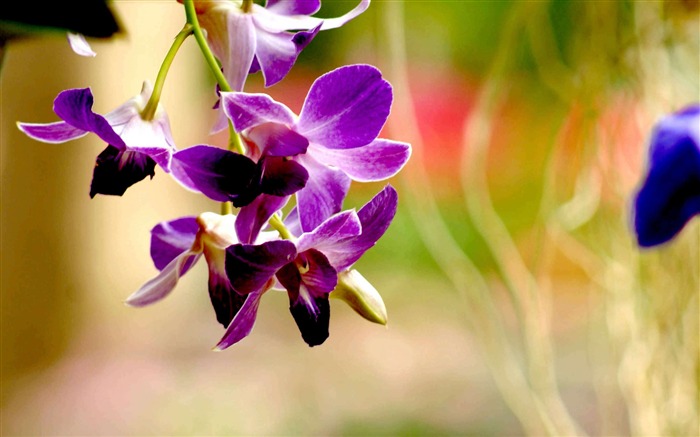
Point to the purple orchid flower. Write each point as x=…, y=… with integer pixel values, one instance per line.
x=177, y=245
x=261, y=38
x=308, y=268
x=669, y=197
x=134, y=145
x=340, y=120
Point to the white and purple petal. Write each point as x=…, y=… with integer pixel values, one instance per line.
x=164, y=283
x=346, y=107
x=248, y=110
x=337, y=228
x=378, y=160
x=279, y=20
x=276, y=139
x=375, y=217
x=276, y=52
x=57, y=132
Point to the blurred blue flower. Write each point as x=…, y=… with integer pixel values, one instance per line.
x=669, y=197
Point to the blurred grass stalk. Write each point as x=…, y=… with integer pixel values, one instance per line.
x=649, y=300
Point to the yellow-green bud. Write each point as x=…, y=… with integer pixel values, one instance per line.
x=357, y=292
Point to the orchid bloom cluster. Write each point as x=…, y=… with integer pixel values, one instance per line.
x=307, y=249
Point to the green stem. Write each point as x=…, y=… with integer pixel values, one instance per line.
x=277, y=225
x=235, y=143
x=204, y=47
x=150, y=110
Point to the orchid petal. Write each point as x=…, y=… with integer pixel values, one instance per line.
x=308, y=293
x=251, y=218
x=242, y=324
x=292, y=222
x=247, y=110
x=375, y=217
x=152, y=138
x=346, y=108
x=231, y=36
x=282, y=177
x=276, y=139
x=293, y=7
x=323, y=194
x=225, y=300
x=378, y=160
x=80, y=45
x=273, y=20
x=172, y=238
x=116, y=170
x=337, y=228
x=57, y=132
x=249, y=268
x=164, y=283
x=74, y=106
x=277, y=52
x=219, y=174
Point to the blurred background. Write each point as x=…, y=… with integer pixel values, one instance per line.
x=518, y=302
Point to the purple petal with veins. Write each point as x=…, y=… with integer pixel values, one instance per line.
x=58, y=132
x=75, y=108
x=378, y=160
x=374, y=218
x=346, y=107
x=338, y=227
x=276, y=52
x=172, y=238
x=250, y=268
x=247, y=110
x=323, y=194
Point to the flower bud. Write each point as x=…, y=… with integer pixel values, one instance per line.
x=357, y=292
